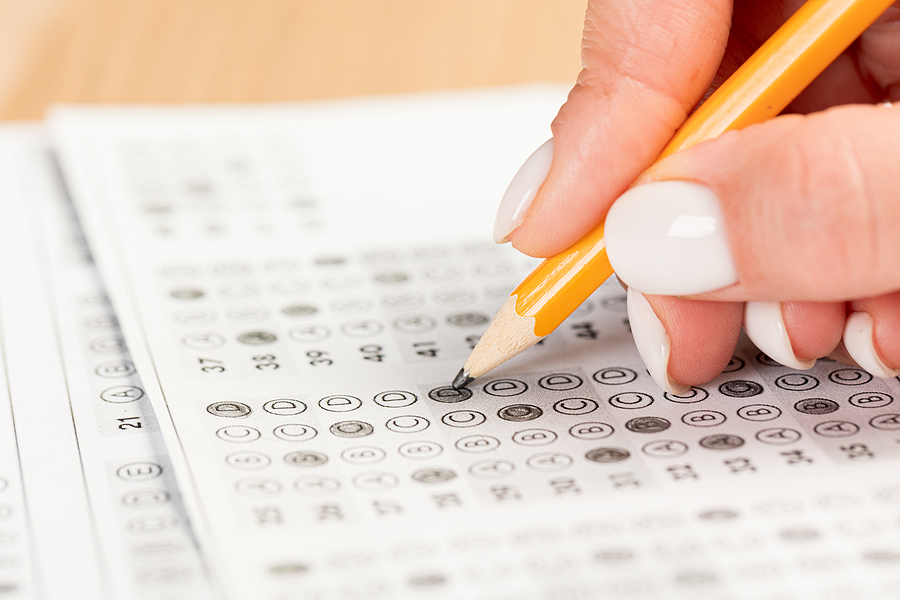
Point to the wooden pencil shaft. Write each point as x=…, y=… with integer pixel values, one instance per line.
x=576, y=272
x=507, y=335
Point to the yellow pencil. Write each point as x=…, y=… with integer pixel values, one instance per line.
x=759, y=90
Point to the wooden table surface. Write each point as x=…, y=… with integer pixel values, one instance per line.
x=274, y=50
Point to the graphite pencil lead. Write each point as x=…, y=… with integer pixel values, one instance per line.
x=462, y=379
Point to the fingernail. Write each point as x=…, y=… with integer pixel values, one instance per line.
x=859, y=341
x=764, y=325
x=668, y=238
x=521, y=192
x=652, y=341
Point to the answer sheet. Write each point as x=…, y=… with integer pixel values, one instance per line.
x=92, y=508
x=298, y=285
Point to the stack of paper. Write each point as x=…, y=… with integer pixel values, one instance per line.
x=227, y=360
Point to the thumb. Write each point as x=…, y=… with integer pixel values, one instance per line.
x=799, y=208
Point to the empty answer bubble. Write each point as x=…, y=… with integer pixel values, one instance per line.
x=309, y=333
x=294, y=432
x=454, y=296
x=550, y=461
x=238, y=434
x=631, y=400
x=317, y=485
x=395, y=399
x=560, y=382
x=375, y=481
x=506, y=387
x=591, y=431
x=407, y=424
x=363, y=455
x=420, y=450
x=615, y=376
x=238, y=290
x=362, y=328
x=477, y=444
x=414, y=323
x=102, y=321
x=491, y=469
x=139, y=471
x=886, y=422
x=703, y=418
x=115, y=369
x=798, y=382
x=534, y=437
x=463, y=418
x=692, y=396
x=340, y=403
x=759, y=412
x=665, y=448
x=779, y=436
x=195, y=317
x=121, y=394
x=203, y=340
x=850, y=377
x=111, y=344
x=575, y=406
x=284, y=407
x=836, y=429
x=870, y=400
x=258, y=487
x=248, y=460
x=402, y=300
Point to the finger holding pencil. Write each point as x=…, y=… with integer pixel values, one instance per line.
x=645, y=67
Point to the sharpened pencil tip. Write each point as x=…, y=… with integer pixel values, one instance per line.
x=462, y=379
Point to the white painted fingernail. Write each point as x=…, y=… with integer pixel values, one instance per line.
x=668, y=238
x=764, y=325
x=652, y=341
x=859, y=341
x=521, y=191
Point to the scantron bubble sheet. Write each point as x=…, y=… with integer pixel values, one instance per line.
x=89, y=507
x=297, y=286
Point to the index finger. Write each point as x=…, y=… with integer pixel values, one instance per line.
x=647, y=63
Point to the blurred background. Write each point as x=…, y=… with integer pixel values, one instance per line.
x=275, y=50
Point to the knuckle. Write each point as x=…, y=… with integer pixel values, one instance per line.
x=826, y=212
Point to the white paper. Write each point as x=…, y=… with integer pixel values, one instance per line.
x=101, y=510
x=299, y=284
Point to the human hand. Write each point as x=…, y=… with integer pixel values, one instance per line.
x=801, y=215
